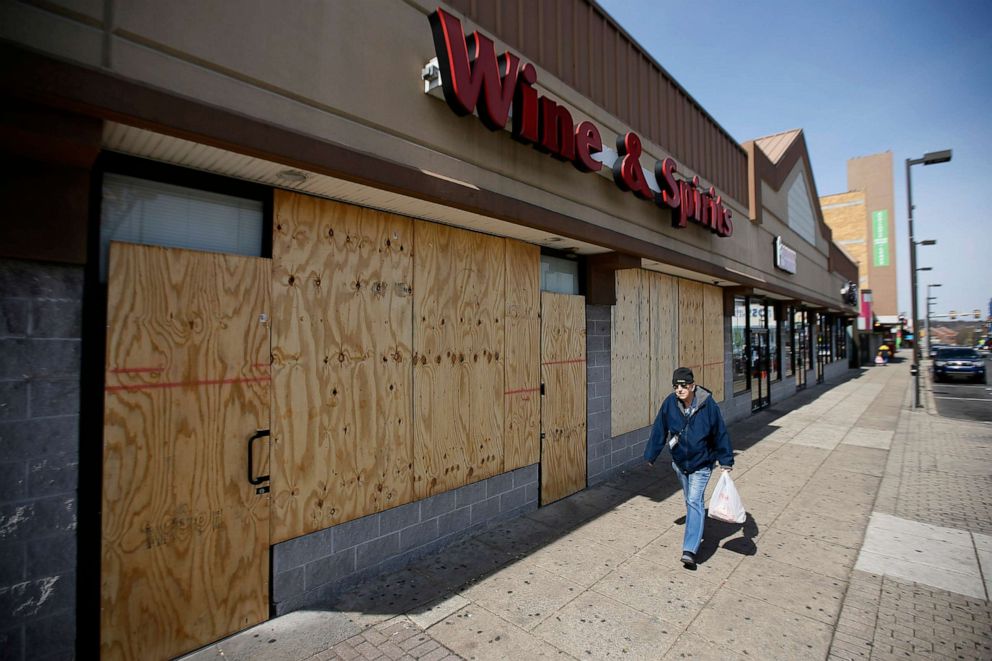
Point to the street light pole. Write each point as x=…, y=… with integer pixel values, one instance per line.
x=930, y=298
x=929, y=158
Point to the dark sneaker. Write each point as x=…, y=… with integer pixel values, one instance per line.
x=688, y=560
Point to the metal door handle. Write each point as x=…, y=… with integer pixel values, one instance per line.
x=251, y=468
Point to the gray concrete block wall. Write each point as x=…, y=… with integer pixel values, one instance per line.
x=836, y=369
x=783, y=388
x=312, y=569
x=736, y=407
x=598, y=390
x=40, y=348
x=605, y=455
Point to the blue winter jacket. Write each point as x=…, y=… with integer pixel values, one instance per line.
x=704, y=440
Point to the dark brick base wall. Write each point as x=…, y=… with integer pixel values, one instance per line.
x=312, y=569
x=40, y=331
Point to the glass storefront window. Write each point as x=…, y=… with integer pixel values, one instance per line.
x=787, y=356
x=738, y=329
x=559, y=275
x=802, y=349
x=775, y=366
x=757, y=315
x=824, y=337
x=841, y=342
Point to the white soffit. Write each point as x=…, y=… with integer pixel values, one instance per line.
x=668, y=269
x=176, y=151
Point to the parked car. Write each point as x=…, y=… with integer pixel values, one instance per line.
x=958, y=362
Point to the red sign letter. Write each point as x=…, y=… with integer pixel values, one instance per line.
x=470, y=70
x=525, y=106
x=664, y=173
x=627, y=171
x=587, y=142
x=556, y=130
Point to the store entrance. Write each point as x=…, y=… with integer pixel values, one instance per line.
x=185, y=552
x=801, y=349
x=758, y=366
x=563, y=384
x=822, y=350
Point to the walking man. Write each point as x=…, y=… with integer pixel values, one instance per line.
x=689, y=422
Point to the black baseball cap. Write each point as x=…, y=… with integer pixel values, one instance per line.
x=682, y=375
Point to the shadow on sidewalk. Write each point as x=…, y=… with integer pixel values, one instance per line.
x=717, y=531
x=414, y=585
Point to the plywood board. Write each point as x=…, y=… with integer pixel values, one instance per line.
x=629, y=365
x=563, y=413
x=691, y=326
x=522, y=397
x=458, y=346
x=713, y=349
x=663, y=336
x=342, y=356
x=185, y=537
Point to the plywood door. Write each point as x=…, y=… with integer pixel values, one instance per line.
x=563, y=410
x=522, y=398
x=185, y=535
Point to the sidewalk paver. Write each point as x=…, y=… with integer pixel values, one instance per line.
x=869, y=536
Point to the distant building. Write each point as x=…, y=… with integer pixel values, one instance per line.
x=863, y=223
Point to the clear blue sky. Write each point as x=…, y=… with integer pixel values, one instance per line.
x=859, y=77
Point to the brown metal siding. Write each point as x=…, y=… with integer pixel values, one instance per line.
x=609, y=99
x=567, y=47
x=578, y=43
x=582, y=68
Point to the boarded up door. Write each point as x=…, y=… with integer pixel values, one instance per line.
x=563, y=411
x=185, y=535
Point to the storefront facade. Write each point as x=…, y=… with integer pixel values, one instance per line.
x=329, y=305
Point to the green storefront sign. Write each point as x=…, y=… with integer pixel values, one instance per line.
x=880, y=237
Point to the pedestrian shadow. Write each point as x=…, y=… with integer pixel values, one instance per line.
x=716, y=531
x=424, y=578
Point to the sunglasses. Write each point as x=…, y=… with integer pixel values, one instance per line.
x=677, y=386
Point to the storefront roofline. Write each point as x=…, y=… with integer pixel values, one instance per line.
x=94, y=93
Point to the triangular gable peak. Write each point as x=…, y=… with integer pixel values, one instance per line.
x=780, y=163
x=783, y=160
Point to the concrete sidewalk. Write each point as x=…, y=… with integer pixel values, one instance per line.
x=869, y=535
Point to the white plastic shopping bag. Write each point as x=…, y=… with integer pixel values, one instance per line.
x=725, y=503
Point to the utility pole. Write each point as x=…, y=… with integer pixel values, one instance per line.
x=929, y=158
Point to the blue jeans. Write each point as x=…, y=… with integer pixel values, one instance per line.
x=693, y=488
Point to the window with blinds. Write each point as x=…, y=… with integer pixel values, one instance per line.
x=153, y=213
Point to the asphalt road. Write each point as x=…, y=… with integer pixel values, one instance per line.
x=965, y=401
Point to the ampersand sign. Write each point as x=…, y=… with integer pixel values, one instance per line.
x=627, y=172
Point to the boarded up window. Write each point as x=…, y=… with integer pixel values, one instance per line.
x=459, y=351
x=659, y=323
x=629, y=348
x=342, y=335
